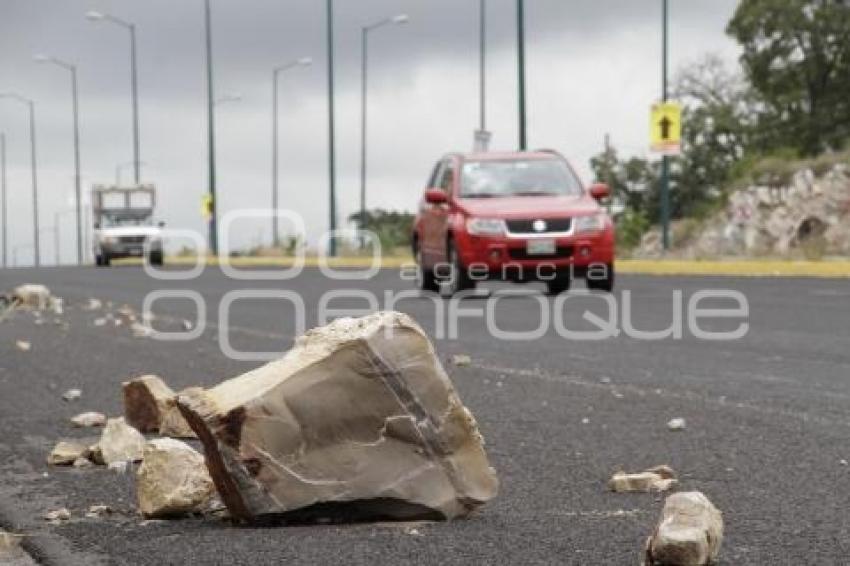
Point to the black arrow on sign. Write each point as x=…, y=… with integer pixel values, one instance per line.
x=665, y=123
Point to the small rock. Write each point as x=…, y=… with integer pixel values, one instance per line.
x=58, y=515
x=173, y=480
x=585, y=420
x=676, y=424
x=100, y=321
x=65, y=453
x=141, y=330
x=659, y=478
x=461, y=360
x=72, y=394
x=120, y=442
x=689, y=532
x=82, y=462
x=413, y=532
x=98, y=511
x=605, y=380
x=187, y=325
x=33, y=296
x=842, y=462
x=90, y=419
x=23, y=345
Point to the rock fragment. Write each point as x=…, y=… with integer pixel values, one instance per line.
x=33, y=296
x=172, y=480
x=93, y=304
x=677, y=425
x=82, y=462
x=23, y=345
x=150, y=406
x=57, y=515
x=359, y=416
x=89, y=419
x=689, y=532
x=98, y=511
x=65, y=453
x=10, y=549
x=659, y=478
x=72, y=395
x=119, y=442
x=461, y=360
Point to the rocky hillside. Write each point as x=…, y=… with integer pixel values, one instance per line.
x=795, y=211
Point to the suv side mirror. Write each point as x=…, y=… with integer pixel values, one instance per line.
x=600, y=191
x=436, y=196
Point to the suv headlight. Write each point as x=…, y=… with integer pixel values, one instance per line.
x=586, y=224
x=486, y=226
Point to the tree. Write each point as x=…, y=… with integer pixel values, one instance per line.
x=392, y=228
x=797, y=58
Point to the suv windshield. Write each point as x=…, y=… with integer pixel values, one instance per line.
x=528, y=177
x=518, y=177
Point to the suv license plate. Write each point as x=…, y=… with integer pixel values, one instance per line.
x=541, y=247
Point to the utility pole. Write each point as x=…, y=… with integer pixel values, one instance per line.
x=3, y=200
x=665, y=160
x=523, y=139
x=482, y=64
x=213, y=228
x=331, y=130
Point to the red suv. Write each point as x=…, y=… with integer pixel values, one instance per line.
x=511, y=216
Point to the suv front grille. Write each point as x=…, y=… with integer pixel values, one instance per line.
x=526, y=226
x=132, y=239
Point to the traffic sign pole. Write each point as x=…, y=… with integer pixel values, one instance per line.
x=665, y=160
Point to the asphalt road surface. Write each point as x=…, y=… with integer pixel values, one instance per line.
x=767, y=438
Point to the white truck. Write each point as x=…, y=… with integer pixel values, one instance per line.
x=124, y=223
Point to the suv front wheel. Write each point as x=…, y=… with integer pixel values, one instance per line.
x=458, y=279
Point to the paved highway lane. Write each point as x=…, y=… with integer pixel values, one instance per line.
x=767, y=415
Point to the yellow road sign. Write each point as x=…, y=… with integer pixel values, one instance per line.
x=206, y=206
x=665, y=128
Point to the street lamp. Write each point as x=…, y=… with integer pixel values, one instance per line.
x=3, y=216
x=520, y=8
x=303, y=62
x=134, y=79
x=213, y=230
x=665, y=160
x=395, y=20
x=76, y=115
x=331, y=130
x=33, y=165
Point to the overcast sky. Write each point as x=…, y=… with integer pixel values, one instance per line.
x=593, y=67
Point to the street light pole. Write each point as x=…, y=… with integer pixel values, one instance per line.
x=303, y=62
x=331, y=130
x=364, y=60
x=482, y=70
x=665, y=160
x=213, y=230
x=76, y=116
x=3, y=199
x=134, y=82
x=34, y=166
x=523, y=140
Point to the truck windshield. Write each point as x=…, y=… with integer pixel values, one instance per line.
x=515, y=177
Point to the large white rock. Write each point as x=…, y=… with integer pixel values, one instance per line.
x=172, y=480
x=359, y=416
x=65, y=452
x=689, y=532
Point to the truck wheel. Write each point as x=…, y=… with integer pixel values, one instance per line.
x=156, y=258
x=107, y=261
x=98, y=260
x=459, y=280
x=605, y=284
